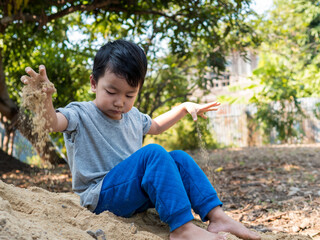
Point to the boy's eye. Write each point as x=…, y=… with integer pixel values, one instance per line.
x=130, y=96
x=110, y=92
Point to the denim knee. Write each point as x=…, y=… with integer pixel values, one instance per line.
x=153, y=147
x=181, y=157
x=155, y=152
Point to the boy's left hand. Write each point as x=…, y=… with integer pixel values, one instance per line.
x=199, y=109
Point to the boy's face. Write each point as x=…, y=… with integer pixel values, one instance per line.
x=114, y=96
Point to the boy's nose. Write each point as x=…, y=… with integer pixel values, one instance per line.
x=118, y=103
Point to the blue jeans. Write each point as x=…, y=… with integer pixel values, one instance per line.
x=152, y=177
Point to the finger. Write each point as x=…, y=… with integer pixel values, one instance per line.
x=210, y=105
x=203, y=116
x=194, y=116
x=201, y=111
x=44, y=89
x=212, y=109
x=31, y=72
x=25, y=79
x=42, y=71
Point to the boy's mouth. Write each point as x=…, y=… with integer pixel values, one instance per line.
x=116, y=111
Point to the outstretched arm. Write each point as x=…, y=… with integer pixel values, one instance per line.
x=56, y=122
x=168, y=119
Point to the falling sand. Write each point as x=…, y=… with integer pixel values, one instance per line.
x=33, y=100
x=203, y=150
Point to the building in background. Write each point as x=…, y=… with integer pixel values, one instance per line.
x=233, y=124
x=238, y=72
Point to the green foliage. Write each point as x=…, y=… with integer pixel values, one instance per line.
x=190, y=34
x=36, y=161
x=184, y=135
x=66, y=64
x=288, y=66
x=276, y=101
x=166, y=84
x=181, y=38
x=316, y=111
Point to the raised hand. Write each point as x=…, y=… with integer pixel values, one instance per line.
x=200, y=109
x=38, y=80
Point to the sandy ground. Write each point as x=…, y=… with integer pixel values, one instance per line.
x=273, y=190
x=36, y=213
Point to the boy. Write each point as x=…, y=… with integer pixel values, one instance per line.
x=110, y=168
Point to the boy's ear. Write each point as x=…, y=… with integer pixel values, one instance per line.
x=93, y=84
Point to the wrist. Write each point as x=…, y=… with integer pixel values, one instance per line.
x=184, y=108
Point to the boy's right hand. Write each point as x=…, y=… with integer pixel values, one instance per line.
x=38, y=80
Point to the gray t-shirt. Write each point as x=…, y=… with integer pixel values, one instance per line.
x=95, y=144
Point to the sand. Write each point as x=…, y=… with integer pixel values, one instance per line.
x=32, y=102
x=35, y=213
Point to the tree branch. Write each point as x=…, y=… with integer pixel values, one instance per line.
x=110, y=5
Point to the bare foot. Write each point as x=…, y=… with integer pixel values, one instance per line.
x=221, y=222
x=189, y=231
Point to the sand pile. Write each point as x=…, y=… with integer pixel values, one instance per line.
x=38, y=214
x=35, y=213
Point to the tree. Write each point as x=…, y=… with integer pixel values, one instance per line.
x=289, y=65
x=34, y=32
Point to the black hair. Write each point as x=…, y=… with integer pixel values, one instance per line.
x=123, y=58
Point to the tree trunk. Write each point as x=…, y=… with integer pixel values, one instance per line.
x=10, y=110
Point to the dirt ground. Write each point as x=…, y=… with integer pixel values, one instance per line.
x=273, y=190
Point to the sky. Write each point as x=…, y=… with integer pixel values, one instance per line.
x=260, y=6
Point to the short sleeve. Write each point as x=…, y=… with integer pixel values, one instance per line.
x=146, y=121
x=72, y=116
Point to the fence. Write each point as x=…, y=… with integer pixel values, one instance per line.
x=15, y=144
x=232, y=125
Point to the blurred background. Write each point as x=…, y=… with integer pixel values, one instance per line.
x=258, y=58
